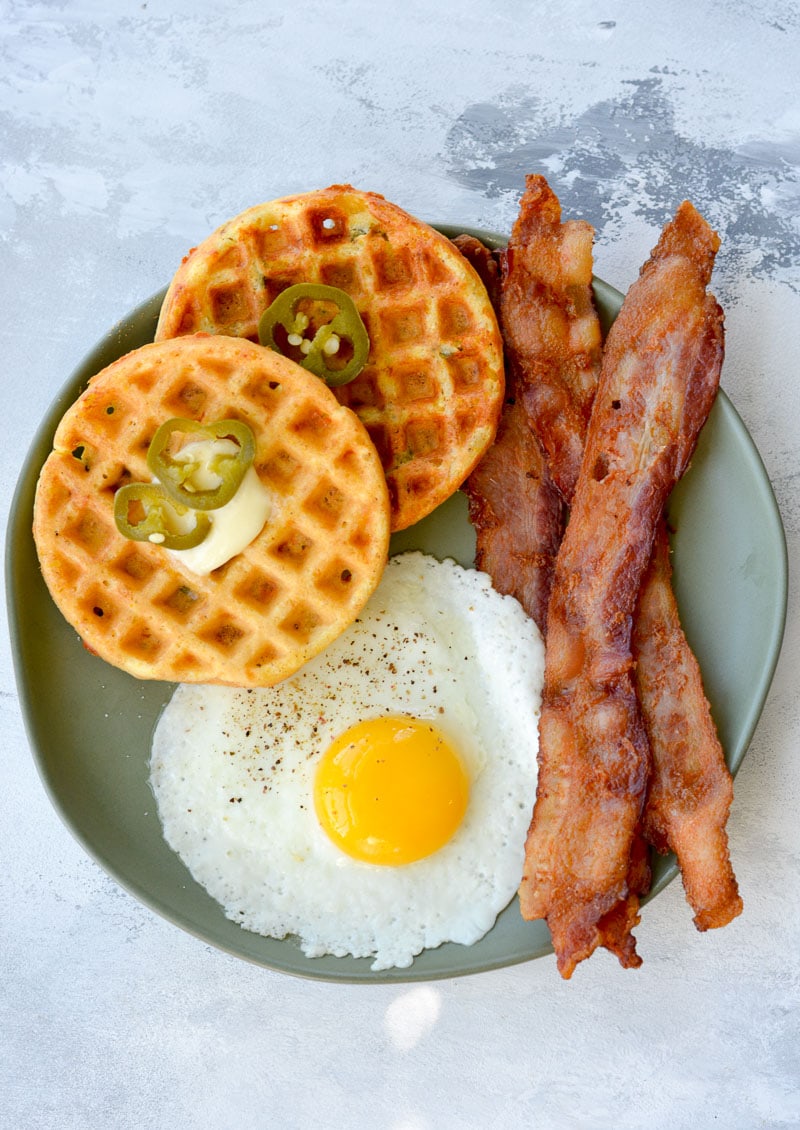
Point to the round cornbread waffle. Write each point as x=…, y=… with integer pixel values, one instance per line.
x=289, y=593
x=432, y=389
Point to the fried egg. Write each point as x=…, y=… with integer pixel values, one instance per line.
x=376, y=803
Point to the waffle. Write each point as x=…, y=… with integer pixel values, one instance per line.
x=299, y=583
x=431, y=392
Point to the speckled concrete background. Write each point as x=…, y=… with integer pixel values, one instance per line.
x=129, y=131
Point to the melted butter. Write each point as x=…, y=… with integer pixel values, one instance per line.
x=202, y=453
x=234, y=525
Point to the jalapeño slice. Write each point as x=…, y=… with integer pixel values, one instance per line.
x=316, y=340
x=145, y=512
x=174, y=469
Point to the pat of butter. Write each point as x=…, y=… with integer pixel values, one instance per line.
x=234, y=525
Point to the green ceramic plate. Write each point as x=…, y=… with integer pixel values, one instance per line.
x=90, y=725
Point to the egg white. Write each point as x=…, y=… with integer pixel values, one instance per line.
x=233, y=771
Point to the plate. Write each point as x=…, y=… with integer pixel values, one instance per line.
x=90, y=725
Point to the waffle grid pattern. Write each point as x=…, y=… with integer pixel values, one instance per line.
x=431, y=393
x=273, y=606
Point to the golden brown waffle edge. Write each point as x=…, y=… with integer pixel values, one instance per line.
x=431, y=392
x=300, y=582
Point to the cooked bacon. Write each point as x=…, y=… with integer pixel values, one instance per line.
x=516, y=510
x=517, y=513
x=553, y=337
x=691, y=791
x=550, y=326
x=529, y=271
x=485, y=261
x=659, y=378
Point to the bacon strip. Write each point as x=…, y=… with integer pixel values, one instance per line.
x=687, y=805
x=553, y=346
x=485, y=262
x=518, y=515
x=518, y=521
x=691, y=791
x=553, y=335
x=514, y=505
x=659, y=378
x=550, y=326
x=553, y=357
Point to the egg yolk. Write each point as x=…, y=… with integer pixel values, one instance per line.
x=390, y=790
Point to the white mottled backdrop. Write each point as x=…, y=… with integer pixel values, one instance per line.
x=130, y=130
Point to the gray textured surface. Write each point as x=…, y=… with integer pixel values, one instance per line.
x=131, y=130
